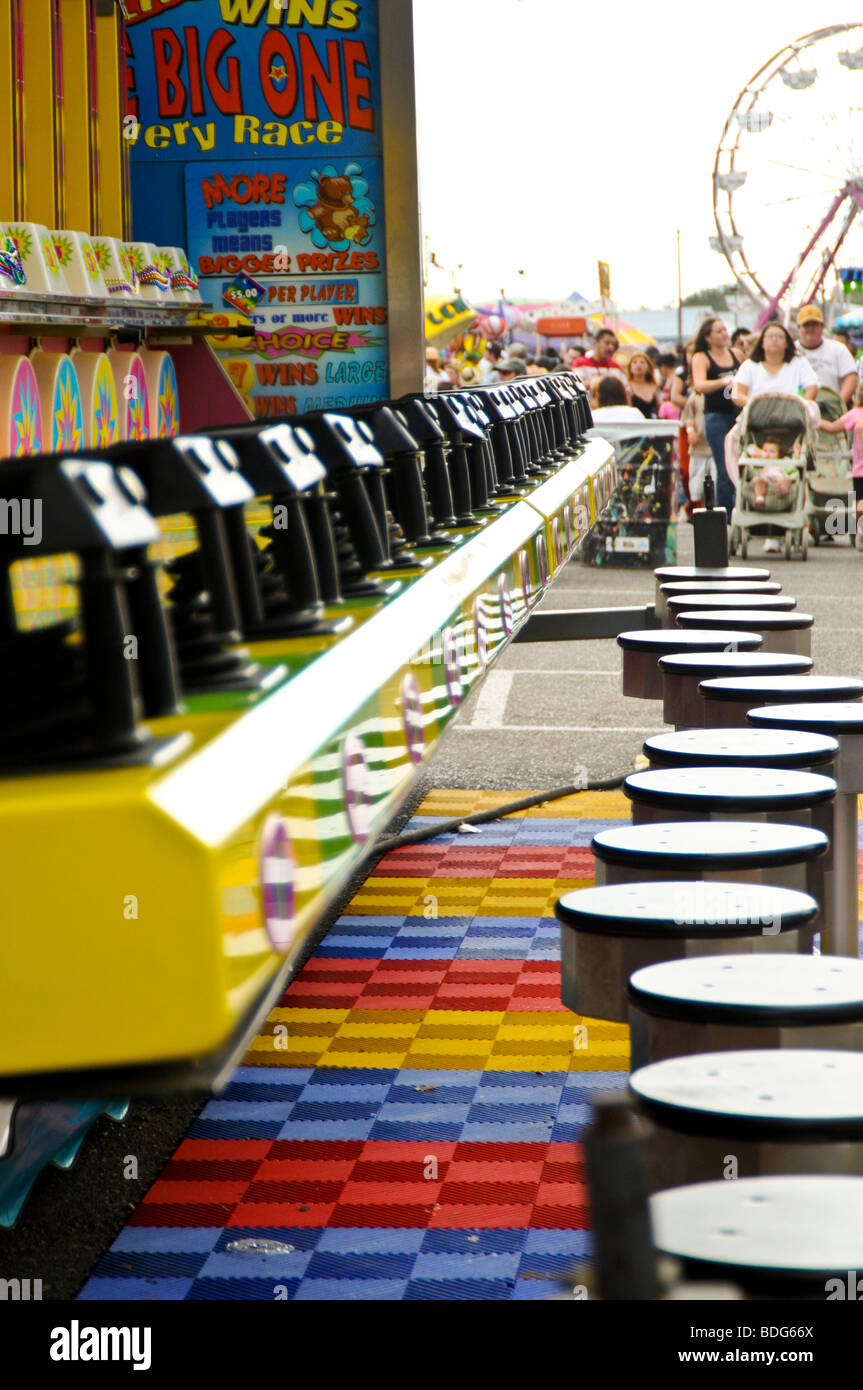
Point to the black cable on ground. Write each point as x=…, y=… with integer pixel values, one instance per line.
x=430, y=832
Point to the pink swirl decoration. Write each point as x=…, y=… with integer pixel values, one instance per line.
x=506, y=612
x=481, y=625
x=542, y=561
x=412, y=719
x=356, y=784
x=526, y=585
x=452, y=668
x=278, y=869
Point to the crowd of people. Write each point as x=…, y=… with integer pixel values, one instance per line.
x=704, y=384
x=709, y=382
x=497, y=363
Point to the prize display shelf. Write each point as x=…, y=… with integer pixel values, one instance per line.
x=205, y=393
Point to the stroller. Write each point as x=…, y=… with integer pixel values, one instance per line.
x=760, y=510
x=830, y=481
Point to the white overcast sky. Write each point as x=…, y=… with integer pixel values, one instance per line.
x=554, y=133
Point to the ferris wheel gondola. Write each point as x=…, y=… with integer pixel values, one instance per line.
x=788, y=170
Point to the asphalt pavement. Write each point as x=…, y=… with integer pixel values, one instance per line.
x=548, y=708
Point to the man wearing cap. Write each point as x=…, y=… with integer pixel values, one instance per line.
x=830, y=360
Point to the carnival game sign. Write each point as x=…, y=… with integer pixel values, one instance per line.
x=262, y=118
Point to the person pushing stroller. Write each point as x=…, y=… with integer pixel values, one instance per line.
x=852, y=421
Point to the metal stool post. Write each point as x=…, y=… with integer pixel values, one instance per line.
x=781, y=632
x=728, y=699
x=844, y=721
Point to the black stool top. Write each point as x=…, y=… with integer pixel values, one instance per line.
x=771, y=602
x=780, y=687
x=672, y=572
x=745, y=618
x=719, y=586
x=839, y=717
x=761, y=747
x=807, y=1229
x=688, y=908
x=742, y=663
x=757, y=990
x=663, y=639
x=784, y=1092
x=743, y=789
x=692, y=845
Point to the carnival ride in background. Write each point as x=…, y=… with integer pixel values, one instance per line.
x=788, y=172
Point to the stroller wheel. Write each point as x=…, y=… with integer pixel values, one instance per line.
x=734, y=539
x=815, y=529
x=744, y=537
x=804, y=543
x=788, y=540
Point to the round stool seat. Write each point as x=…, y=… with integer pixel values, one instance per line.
x=771, y=795
x=776, y=1111
x=780, y=1236
x=695, y=574
x=840, y=719
x=771, y=603
x=725, y=1003
x=607, y=933
x=667, y=574
x=747, y=747
x=643, y=647
x=705, y=791
x=674, y=587
x=682, y=672
x=782, y=632
x=710, y=586
x=727, y=699
x=843, y=719
x=716, y=849
x=837, y=717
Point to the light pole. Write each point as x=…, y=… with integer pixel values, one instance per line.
x=679, y=293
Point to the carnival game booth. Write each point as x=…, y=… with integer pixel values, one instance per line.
x=639, y=527
x=253, y=572
x=310, y=604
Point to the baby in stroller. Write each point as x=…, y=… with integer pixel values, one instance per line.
x=771, y=446
x=770, y=487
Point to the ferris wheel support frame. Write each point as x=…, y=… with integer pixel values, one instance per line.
x=852, y=191
x=856, y=206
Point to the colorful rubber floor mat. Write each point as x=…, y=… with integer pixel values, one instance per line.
x=407, y=1125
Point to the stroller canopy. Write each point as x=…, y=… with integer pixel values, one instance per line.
x=774, y=415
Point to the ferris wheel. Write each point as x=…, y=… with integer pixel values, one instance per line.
x=788, y=172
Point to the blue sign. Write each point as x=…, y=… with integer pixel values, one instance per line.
x=256, y=129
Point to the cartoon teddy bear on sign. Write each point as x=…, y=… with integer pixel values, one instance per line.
x=334, y=212
x=335, y=209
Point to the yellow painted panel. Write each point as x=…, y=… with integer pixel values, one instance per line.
x=7, y=114
x=40, y=203
x=112, y=190
x=76, y=182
